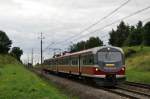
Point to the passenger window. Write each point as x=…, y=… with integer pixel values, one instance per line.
x=74, y=61
x=66, y=61
x=87, y=60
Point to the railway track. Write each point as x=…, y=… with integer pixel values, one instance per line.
x=128, y=90
x=132, y=90
x=128, y=93
x=146, y=86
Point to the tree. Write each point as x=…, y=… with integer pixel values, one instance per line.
x=78, y=47
x=122, y=34
x=135, y=36
x=118, y=37
x=93, y=42
x=82, y=45
x=113, y=36
x=5, y=43
x=16, y=52
x=146, y=34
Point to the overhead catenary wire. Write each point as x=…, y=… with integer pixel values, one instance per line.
x=130, y=15
x=116, y=21
x=146, y=19
x=103, y=18
x=97, y=22
x=108, y=34
x=134, y=24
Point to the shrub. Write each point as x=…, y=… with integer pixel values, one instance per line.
x=129, y=52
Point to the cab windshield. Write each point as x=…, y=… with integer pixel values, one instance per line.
x=109, y=56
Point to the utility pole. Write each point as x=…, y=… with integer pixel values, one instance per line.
x=32, y=57
x=28, y=59
x=41, y=38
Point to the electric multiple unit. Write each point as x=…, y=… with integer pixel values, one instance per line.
x=105, y=65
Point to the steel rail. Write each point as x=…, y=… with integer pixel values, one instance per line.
x=134, y=91
x=120, y=93
x=141, y=85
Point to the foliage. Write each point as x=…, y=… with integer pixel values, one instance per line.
x=138, y=65
x=78, y=47
x=16, y=52
x=146, y=34
x=129, y=52
x=7, y=59
x=93, y=42
x=135, y=38
x=5, y=43
x=118, y=37
x=16, y=82
x=126, y=35
x=19, y=83
x=82, y=45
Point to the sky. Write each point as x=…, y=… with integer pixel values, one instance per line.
x=58, y=20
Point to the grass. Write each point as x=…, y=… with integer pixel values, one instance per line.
x=138, y=65
x=7, y=59
x=16, y=82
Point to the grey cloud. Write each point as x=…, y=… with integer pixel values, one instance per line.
x=23, y=20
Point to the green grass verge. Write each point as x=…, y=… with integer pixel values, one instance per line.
x=18, y=83
x=138, y=65
x=7, y=59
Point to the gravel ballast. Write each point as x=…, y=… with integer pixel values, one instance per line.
x=78, y=89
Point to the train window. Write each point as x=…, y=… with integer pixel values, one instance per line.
x=66, y=61
x=50, y=62
x=59, y=62
x=109, y=56
x=62, y=61
x=91, y=60
x=87, y=59
x=74, y=61
x=53, y=62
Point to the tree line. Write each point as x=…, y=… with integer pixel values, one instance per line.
x=90, y=43
x=126, y=35
x=5, y=46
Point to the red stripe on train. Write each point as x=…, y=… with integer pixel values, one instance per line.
x=97, y=71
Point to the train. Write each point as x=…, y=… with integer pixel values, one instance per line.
x=104, y=65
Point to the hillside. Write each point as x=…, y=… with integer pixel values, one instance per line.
x=19, y=83
x=7, y=59
x=138, y=64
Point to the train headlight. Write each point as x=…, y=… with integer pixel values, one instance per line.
x=123, y=69
x=96, y=69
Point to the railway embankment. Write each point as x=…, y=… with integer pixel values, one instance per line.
x=80, y=89
x=87, y=90
x=138, y=64
x=23, y=84
x=16, y=82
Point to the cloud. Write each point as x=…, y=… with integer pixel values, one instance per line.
x=23, y=20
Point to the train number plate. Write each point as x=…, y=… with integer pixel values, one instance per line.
x=110, y=65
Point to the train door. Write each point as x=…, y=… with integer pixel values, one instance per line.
x=79, y=64
x=57, y=65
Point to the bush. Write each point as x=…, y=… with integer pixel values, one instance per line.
x=5, y=43
x=129, y=52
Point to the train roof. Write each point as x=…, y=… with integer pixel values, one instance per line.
x=92, y=50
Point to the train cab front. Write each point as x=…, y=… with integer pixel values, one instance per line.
x=112, y=63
